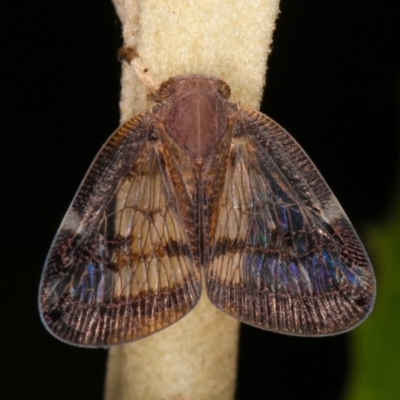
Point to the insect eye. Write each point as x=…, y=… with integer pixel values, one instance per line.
x=166, y=90
x=224, y=89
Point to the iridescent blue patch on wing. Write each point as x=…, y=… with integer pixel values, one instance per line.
x=296, y=219
x=350, y=275
x=258, y=233
x=282, y=217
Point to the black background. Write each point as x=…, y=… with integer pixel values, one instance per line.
x=333, y=82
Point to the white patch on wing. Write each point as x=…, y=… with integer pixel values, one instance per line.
x=332, y=210
x=72, y=222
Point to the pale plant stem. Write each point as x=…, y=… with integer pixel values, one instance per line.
x=195, y=359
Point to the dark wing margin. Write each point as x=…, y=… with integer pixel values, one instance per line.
x=284, y=256
x=121, y=266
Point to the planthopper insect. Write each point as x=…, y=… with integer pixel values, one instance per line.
x=199, y=192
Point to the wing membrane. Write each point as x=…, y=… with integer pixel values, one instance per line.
x=122, y=265
x=284, y=256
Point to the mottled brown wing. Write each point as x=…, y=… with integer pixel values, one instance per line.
x=284, y=256
x=122, y=265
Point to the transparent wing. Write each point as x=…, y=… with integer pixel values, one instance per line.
x=122, y=265
x=284, y=255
